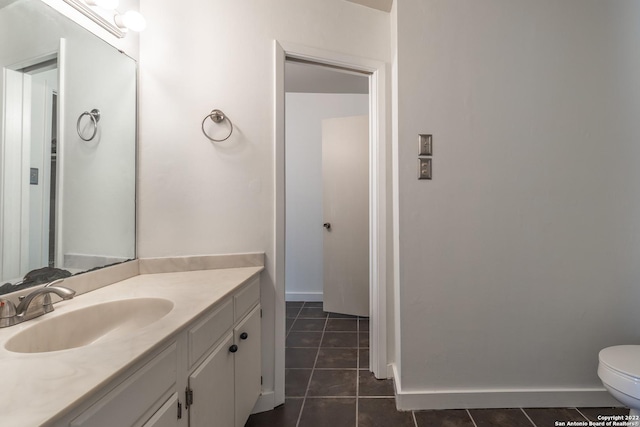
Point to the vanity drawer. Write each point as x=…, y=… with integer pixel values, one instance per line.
x=247, y=298
x=209, y=330
x=135, y=396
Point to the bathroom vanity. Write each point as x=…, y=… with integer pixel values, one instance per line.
x=179, y=348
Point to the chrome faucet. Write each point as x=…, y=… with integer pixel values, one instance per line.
x=33, y=305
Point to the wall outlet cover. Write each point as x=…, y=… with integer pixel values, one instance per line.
x=424, y=168
x=425, y=145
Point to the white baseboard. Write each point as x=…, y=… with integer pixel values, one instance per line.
x=407, y=400
x=266, y=402
x=304, y=296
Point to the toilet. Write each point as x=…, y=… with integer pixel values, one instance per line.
x=619, y=370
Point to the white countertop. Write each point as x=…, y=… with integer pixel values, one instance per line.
x=40, y=387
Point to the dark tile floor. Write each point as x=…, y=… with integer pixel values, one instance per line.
x=328, y=384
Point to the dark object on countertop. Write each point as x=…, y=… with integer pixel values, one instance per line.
x=46, y=275
x=36, y=277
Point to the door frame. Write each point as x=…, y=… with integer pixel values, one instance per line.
x=15, y=102
x=377, y=199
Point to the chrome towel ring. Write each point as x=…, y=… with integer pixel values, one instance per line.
x=217, y=116
x=94, y=115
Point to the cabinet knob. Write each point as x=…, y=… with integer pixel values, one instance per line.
x=233, y=348
x=244, y=336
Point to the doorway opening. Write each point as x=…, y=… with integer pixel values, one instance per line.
x=29, y=165
x=326, y=190
x=374, y=72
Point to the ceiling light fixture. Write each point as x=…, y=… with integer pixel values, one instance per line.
x=100, y=17
x=130, y=20
x=105, y=4
x=104, y=13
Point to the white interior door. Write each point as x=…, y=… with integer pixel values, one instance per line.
x=345, y=180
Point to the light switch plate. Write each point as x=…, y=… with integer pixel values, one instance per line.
x=33, y=176
x=425, y=145
x=424, y=168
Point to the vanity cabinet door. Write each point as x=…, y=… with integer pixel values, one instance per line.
x=248, y=364
x=212, y=386
x=140, y=393
x=166, y=415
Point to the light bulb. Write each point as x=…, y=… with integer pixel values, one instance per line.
x=131, y=20
x=105, y=4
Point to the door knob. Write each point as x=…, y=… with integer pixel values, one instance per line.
x=327, y=225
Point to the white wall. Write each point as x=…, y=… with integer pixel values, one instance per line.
x=518, y=262
x=304, y=232
x=199, y=197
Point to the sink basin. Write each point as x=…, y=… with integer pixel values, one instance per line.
x=88, y=325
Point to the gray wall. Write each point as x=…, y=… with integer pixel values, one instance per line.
x=518, y=262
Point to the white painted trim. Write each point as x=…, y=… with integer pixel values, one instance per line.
x=3, y=82
x=61, y=145
x=45, y=179
x=24, y=175
x=266, y=402
x=14, y=241
x=395, y=194
x=407, y=400
x=378, y=198
x=304, y=296
x=378, y=222
x=472, y=399
x=390, y=370
x=279, y=222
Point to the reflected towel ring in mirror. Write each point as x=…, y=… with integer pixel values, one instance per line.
x=217, y=116
x=94, y=115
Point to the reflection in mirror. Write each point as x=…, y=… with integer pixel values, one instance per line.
x=67, y=174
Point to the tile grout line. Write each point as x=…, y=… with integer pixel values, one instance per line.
x=415, y=421
x=583, y=415
x=471, y=417
x=307, y=388
x=528, y=417
x=344, y=397
x=325, y=369
x=285, y=347
x=376, y=397
x=357, y=367
x=306, y=392
x=294, y=321
x=358, y=347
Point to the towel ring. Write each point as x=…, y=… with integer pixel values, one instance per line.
x=217, y=116
x=94, y=115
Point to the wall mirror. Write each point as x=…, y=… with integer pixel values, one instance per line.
x=67, y=148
